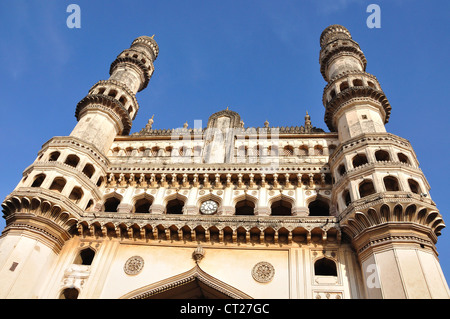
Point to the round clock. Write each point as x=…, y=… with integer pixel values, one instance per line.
x=209, y=207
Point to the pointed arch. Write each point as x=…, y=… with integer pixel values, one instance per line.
x=281, y=205
x=245, y=204
x=142, y=203
x=173, y=287
x=175, y=204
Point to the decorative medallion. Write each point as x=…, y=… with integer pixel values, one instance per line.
x=134, y=265
x=219, y=193
x=263, y=272
x=202, y=192
x=198, y=254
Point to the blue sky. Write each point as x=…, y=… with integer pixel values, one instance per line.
x=260, y=58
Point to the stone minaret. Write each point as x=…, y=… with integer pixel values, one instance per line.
x=110, y=106
x=382, y=196
x=69, y=174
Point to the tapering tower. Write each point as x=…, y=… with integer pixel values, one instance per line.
x=68, y=176
x=382, y=197
x=110, y=106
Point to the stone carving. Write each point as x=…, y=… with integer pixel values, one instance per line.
x=263, y=272
x=198, y=254
x=134, y=265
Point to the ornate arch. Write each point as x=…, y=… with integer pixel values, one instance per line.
x=215, y=288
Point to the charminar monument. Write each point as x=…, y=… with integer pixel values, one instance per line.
x=222, y=210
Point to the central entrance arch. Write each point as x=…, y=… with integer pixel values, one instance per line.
x=192, y=284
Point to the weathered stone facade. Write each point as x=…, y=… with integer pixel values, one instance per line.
x=225, y=211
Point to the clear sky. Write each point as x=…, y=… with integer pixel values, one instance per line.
x=260, y=58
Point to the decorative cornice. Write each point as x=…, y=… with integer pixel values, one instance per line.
x=108, y=103
x=250, y=131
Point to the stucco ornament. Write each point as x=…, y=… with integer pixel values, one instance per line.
x=134, y=265
x=263, y=272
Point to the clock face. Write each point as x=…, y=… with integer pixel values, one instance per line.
x=209, y=207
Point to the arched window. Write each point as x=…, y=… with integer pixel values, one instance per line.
x=414, y=186
x=123, y=100
x=174, y=206
x=346, y=197
x=112, y=93
x=89, y=170
x=54, y=156
x=38, y=180
x=341, y=170
x=325, y=267
x=111, y=205
x=72, y=160
x=85, y=257
x=58, y=184
x=318, y=150
x=366, y=188
x=382, y=155
x=319, y=208
x=332, y=93
x=69, y=293
x=155, y=151
x=343, y=86
x=303, y=150
x=391, y=183
x=100, y=181
x=245, y=207
x=403, y=158
x=357, y=82
x=101, y=90
x=89, y=205
x=281, y=208
x=359, y=159
x=288, y=150
x=76, y=194
x=142, y=205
